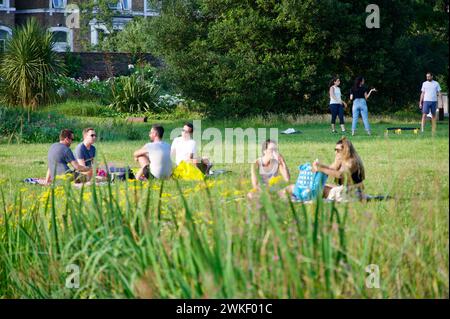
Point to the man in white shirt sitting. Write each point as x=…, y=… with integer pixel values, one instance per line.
x=154, y=158
x=431, y=90
x=184, y=149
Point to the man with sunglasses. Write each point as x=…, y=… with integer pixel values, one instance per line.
x=85, y=151
x=184, y=149
x=60, y=155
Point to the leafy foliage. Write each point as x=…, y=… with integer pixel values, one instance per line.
x=257, y=57
x=27, y=67
x=134, y=94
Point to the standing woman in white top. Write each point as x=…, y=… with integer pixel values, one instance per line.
x=336, y=104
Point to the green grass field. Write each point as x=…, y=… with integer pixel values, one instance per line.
x=205, y=240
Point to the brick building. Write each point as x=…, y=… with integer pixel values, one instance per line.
x=57, y=16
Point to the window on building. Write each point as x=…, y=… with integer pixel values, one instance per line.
x=98, y=32
x=4, y=4
x=59, y=4
x=120, y=5
x=61, y=38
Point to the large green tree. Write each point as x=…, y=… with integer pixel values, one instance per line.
x=261, y=56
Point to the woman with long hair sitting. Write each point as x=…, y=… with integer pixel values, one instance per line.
x=269, y=169
x=347, y=169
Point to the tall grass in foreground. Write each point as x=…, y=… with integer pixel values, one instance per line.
x=135, y=239
x=126, y=245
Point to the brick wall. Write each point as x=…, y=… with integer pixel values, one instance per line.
x=44, y=19
x=35, y=4
x=105, y=65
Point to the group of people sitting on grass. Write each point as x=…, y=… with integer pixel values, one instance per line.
x=347, y=170
x=155, y=162
x=154, y=158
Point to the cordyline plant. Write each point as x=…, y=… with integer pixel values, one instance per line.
x=28, y=66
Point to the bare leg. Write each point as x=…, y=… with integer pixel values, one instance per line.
x=424, y=118
x=433, y=123
x=143, y=161
x=326, y=190
x=287, y=191
x=208, y=164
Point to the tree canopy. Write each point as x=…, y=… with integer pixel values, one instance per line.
x=262, y=56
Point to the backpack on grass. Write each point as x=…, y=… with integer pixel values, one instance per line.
x=309, y=185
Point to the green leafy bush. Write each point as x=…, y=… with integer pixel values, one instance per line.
x=27, y=67
x=134, y=94
x=88, y=90
x=78, y=107
x=260, y=57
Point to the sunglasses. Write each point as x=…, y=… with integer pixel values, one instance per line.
x=185, y=131
x=93, y=135
x=338, y=149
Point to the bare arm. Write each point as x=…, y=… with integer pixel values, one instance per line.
x=79, y=167
x=47, y=177
x=140, y=152
x=328, y=170
x=367, y=95
x=421, y=99
x=284, y=169
x=254, y=167
x=81, y=162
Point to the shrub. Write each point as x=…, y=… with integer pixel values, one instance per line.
x=90, y=89
x=27, y=67
x=134, y=94
x=82, y=108
x=73, y=64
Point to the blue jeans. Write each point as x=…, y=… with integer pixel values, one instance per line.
x=360, y=107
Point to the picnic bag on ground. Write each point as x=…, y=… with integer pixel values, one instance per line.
x=309, y=185
x=120, y=173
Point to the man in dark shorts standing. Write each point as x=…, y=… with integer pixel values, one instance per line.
x=60, y=155
x=431, y=90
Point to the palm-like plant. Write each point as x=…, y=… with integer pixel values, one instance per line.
x=134, y=94
x=27, y=67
